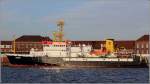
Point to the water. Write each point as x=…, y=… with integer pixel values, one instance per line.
x=82, y=75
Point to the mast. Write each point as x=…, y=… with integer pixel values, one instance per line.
x=60, y=25
x=59, y=35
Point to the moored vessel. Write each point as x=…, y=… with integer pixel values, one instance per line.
x=66, y=55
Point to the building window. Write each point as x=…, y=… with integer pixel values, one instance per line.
x=26, y=46
x=147, y=45
x=137, y=51
x=137, y=45
x=142, y=45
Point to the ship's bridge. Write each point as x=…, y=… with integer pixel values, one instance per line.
x=64, y=49
x=54, y=46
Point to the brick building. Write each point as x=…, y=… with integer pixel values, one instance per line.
x=24, y=43
x=142, y=45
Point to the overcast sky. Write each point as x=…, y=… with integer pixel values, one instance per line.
x=84, y=19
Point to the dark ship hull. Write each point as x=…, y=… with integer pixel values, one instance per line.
x=24, y=60
x=58, y=61
x=31, y=60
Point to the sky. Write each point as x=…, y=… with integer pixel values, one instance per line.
x=84, y=19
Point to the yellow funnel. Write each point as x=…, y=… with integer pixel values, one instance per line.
x=110, y=45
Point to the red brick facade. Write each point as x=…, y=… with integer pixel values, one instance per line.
x=142, y=45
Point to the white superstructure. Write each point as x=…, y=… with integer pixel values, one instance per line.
x=62, y=49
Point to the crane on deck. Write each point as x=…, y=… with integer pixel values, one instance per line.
x=59, y=35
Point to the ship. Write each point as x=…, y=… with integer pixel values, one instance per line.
x=66, y=55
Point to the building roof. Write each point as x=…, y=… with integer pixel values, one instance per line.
x=144, y=38
x=32, y=38
x=6, y=42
